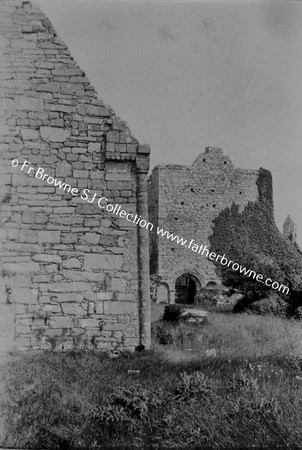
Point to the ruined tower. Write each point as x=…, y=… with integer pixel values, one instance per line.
x=290, y=229
x=73, y=273
x=185, y=200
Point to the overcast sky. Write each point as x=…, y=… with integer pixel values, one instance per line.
x=190, y=75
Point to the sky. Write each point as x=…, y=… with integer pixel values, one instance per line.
x=185, y=76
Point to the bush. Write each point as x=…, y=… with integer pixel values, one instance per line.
x=125, y=412
x=172, y=313
x=273, y=305
x=298, y=313
x=195, y=386
x=163, y=337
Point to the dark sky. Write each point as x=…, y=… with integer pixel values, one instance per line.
x=189, y=75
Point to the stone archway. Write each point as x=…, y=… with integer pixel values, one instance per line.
x=185, y=289
x=185, y=284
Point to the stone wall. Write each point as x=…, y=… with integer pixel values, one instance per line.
x=185, y=200
x=73, y=275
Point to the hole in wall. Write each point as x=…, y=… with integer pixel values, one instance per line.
x=192, y=190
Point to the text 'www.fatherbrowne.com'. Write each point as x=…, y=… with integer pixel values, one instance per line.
x=223, y=260
x=93, y=197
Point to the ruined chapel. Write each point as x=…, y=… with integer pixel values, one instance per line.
x=185, y=200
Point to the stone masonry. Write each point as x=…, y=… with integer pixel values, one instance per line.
x=73, y=275
x=184, y=200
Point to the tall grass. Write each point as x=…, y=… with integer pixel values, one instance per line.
x=247, y=396
x=233, y=336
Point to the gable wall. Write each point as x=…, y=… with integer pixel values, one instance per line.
x=70, y=269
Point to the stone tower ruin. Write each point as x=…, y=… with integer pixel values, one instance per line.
x=74, y=274
x=290, y=229
x=185, y=200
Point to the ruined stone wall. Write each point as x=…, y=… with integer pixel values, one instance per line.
x=185, y=200
x=70, y=272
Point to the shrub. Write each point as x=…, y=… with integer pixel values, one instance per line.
x=172, y=313
x=163, y=337
x=273, y=305
x=298, y=313
x=127, y=409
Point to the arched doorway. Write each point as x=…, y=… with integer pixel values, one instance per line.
x=185, y=288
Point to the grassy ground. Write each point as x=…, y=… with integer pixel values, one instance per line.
x=248, y=396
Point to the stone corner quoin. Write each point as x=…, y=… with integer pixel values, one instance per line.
x=74, y=276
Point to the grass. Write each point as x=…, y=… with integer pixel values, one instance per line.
x=248, y=396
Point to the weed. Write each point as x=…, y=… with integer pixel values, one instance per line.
x=192, y=387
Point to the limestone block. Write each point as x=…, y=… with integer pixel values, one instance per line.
x=68, y=72
x=91, y=238
x=89, y=323
x=29, y=134
x=22, y=342
x=47, y=258
x=113, y=136
x=120, y=308
x=60, y=108
x=73, y=308
x=49, y=308
x=22, y=247
x=68, y=238
x=24, y=267
x=52, y=237
x=40, y=278
x=194, y=315
x=63, y=169
x=72, y=88
x=24, y=103
x=28, y=216
x=72, y=263
x=116, y=176
x=74, y=286
x=99, y=308
x=48, y=87
x=94, y=147
x=118, y=284
x=26, y=296
x=61, y=322
x=68, y=297
x=105, y=295
x=101, y=262
x=54, y=134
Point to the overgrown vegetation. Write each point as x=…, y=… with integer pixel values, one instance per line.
x=171, y=397
x=252, y=239
x=172, y=313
